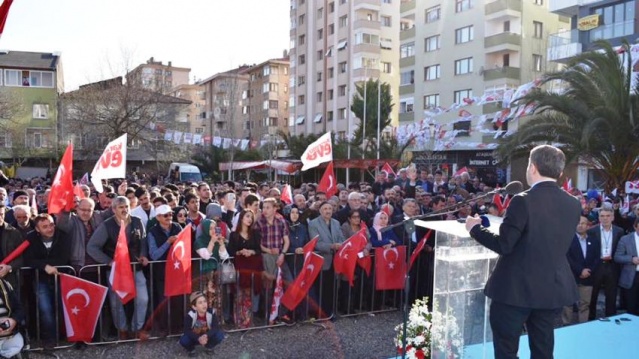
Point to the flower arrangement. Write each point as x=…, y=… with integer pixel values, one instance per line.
x=421, y=333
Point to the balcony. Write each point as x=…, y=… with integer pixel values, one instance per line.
x=563, y=45
x=407, y=117
x=407, y=61
x=407, y=89
x=503, y=9
x=367, y=5
x=407, y=34
x=506, y=41
x=502, y=73
x=568, y=7
x=407, y=5
x=367, y=48
x=367, y=24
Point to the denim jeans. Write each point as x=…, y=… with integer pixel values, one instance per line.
x=45, y=293
x=140, y=303
x=215, y=338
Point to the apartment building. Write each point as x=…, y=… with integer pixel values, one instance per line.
x=195, y=113
x=455, y=51
x=591, y=20
x=265, y=107
x=336, y=44
x=156, y=76
x=30, y=83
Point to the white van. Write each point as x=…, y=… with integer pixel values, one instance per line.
x=184, y=172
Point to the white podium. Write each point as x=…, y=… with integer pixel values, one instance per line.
x=460, y=308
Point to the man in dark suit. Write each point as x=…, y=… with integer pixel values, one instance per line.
x=583, y=257
x=627, y=255
x=606, y=274
x=531, y=281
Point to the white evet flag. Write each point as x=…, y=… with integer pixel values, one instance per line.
x=318, y=152
x=112, y=163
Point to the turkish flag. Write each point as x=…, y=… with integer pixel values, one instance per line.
x=177, y=275
x=310, y=246
x=297, y=291
x=345, y=259
x=287, y=194
x=418, y=249
x=61, y=196
x=121, y=276
x=364, y=262
x=328, y=183
x=4, y=13
x=390, y=268
x=388, y=169
x=567, y=186
x=77, y=191
x=81, y=304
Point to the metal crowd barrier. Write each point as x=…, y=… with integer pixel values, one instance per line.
x=347, y=301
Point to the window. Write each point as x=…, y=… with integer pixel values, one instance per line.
x=331, y=29
x=364, y=62
x=460, y=95
x=342, y=45
x=302, y=59
x=319, y=96
x=465, y=34
x=462, y=128
x=341, y=90
x=363, y=38
x=342, y=67
x=341, y=113
x=539, y=30
x=407, y=50
x=431, y=43
x=301, y=39
x=386, y=21
x=433, y=13
x=343, y=21
x=265, y=105
x=264, y=87
x=331, y=7
x=431, y=101
x=464, y=66
x=432, y=72
x=386, y=67
x=320, y=55
x=273, y=105
x=462, y=5
x=319, y=76
x=329, y=116
x=330, y=95
x=301, y=80
x=320, y=34
x=320, y=13
x=505, y=60
x=301, y=19
x=37, y=140
x=406, y=105
x=507, y=26
x=29, y=78
x=537, y=62
x=301, y=99
x=539, y=2
x=331, y=72
x=619, y=20
x=41, y=111
x=407, y=78
x=199, y=130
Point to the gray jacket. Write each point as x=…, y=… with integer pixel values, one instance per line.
x=73, y=225
x=318, y=227
x=626, y=249
x=101, y=246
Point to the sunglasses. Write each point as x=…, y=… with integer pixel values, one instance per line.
x=181, y=214
x=168, y=215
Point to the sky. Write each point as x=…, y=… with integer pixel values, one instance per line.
x=100, y=39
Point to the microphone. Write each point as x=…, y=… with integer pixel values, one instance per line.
x=512, y=188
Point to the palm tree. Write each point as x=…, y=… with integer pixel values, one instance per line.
x=593, y=120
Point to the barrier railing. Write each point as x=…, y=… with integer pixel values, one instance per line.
x=165, y=315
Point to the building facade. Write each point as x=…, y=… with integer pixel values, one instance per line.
x=30, y=83
x=195, y=113
x=155, y=76
x=336, y=44
x=455, y=54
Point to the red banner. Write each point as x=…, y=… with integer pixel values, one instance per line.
x=177, y=272
x=390, y=268
x=81, y=303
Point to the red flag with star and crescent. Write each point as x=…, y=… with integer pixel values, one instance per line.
x=297, y=291
x=81, y=304
x=61, y=196
x=419, y=248
x=121, y=276
x=328, y=183
x=287, y=194
x=390, y=268
x=345, y=258
x=177, y=272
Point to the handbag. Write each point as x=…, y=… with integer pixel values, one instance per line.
x=227, y=272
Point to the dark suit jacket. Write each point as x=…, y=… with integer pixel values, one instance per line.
x=617, y=233
x=577, y=261
x=532, y=270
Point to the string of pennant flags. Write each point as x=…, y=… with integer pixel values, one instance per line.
x=444, y=135
x=180, y=137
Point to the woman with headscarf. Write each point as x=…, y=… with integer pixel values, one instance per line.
x=244, y=246
x=179, y=216
x=379, y=238
x=210, y=245
x=298, y=237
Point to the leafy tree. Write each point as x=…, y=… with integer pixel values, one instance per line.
x=371, y=109
x=594, y=119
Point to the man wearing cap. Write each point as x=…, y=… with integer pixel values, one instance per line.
x=19, y=197
x=144, y=210
x=160, y=238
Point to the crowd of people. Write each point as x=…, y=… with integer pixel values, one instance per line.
x=250, y=224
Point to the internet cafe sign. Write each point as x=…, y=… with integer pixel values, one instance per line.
x=588, y=23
